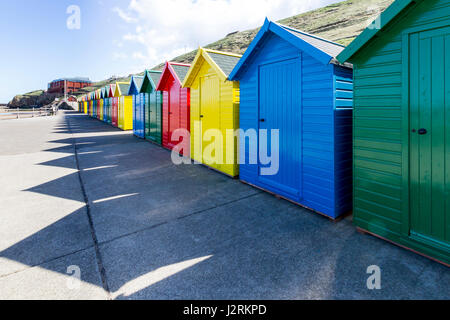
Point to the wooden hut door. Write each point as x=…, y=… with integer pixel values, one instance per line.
x=110, y=109
x=140, y=123
x=149, y=115
x=137, y=114
x=430, y=136
x=280, y=109
x=174, y=111
x=210, y=114
x=121, y=111
x=115, y=111
x=154, y=116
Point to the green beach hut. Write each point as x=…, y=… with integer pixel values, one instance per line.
x=152, y=103
x=401, y=126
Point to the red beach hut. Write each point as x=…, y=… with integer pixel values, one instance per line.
x=114, y=106
x=176, y=104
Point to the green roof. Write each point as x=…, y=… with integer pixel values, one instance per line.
x=151, y=84
x=180, y=71
x=225, y=62
x=329, y=47
x=155, y=75
x=138, y=80
x=124, y=88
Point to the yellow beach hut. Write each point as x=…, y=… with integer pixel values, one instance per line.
x=85, y=104
x=99, y=105
x=101, y=102
x=214, y=110
x=125, y=106
x=91, y=104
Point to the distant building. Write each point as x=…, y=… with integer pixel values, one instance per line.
x=72, y=85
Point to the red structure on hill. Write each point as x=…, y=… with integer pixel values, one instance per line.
x=71, y=84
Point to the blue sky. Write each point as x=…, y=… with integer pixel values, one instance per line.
x=37, y=46
x=117, y=37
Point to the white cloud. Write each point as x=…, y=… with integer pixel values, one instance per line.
x=124, y=16
x=172, y=27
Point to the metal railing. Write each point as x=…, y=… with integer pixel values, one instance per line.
x=19, y=113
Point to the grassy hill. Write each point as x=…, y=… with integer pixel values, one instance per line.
x=33, y=93
x=101, y=84
x=34, y=98
x=341, y=22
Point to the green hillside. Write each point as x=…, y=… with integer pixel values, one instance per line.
x=101, y=84
x=341, y=22
x=34, y=93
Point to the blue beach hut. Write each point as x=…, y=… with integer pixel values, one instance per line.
x=138, y=107
x=290, y=81
x=104, y=99
x=105, y=103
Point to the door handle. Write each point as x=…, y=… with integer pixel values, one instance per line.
x=262, y=120
x=201, y=116
x=423, y=131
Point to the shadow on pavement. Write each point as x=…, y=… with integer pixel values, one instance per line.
x=186, y=232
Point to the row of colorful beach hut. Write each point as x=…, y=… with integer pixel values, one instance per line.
x=111, y=104
x=363, y=128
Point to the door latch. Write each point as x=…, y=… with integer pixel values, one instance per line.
x=423, y=131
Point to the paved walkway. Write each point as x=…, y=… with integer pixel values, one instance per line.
x=153, y=230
